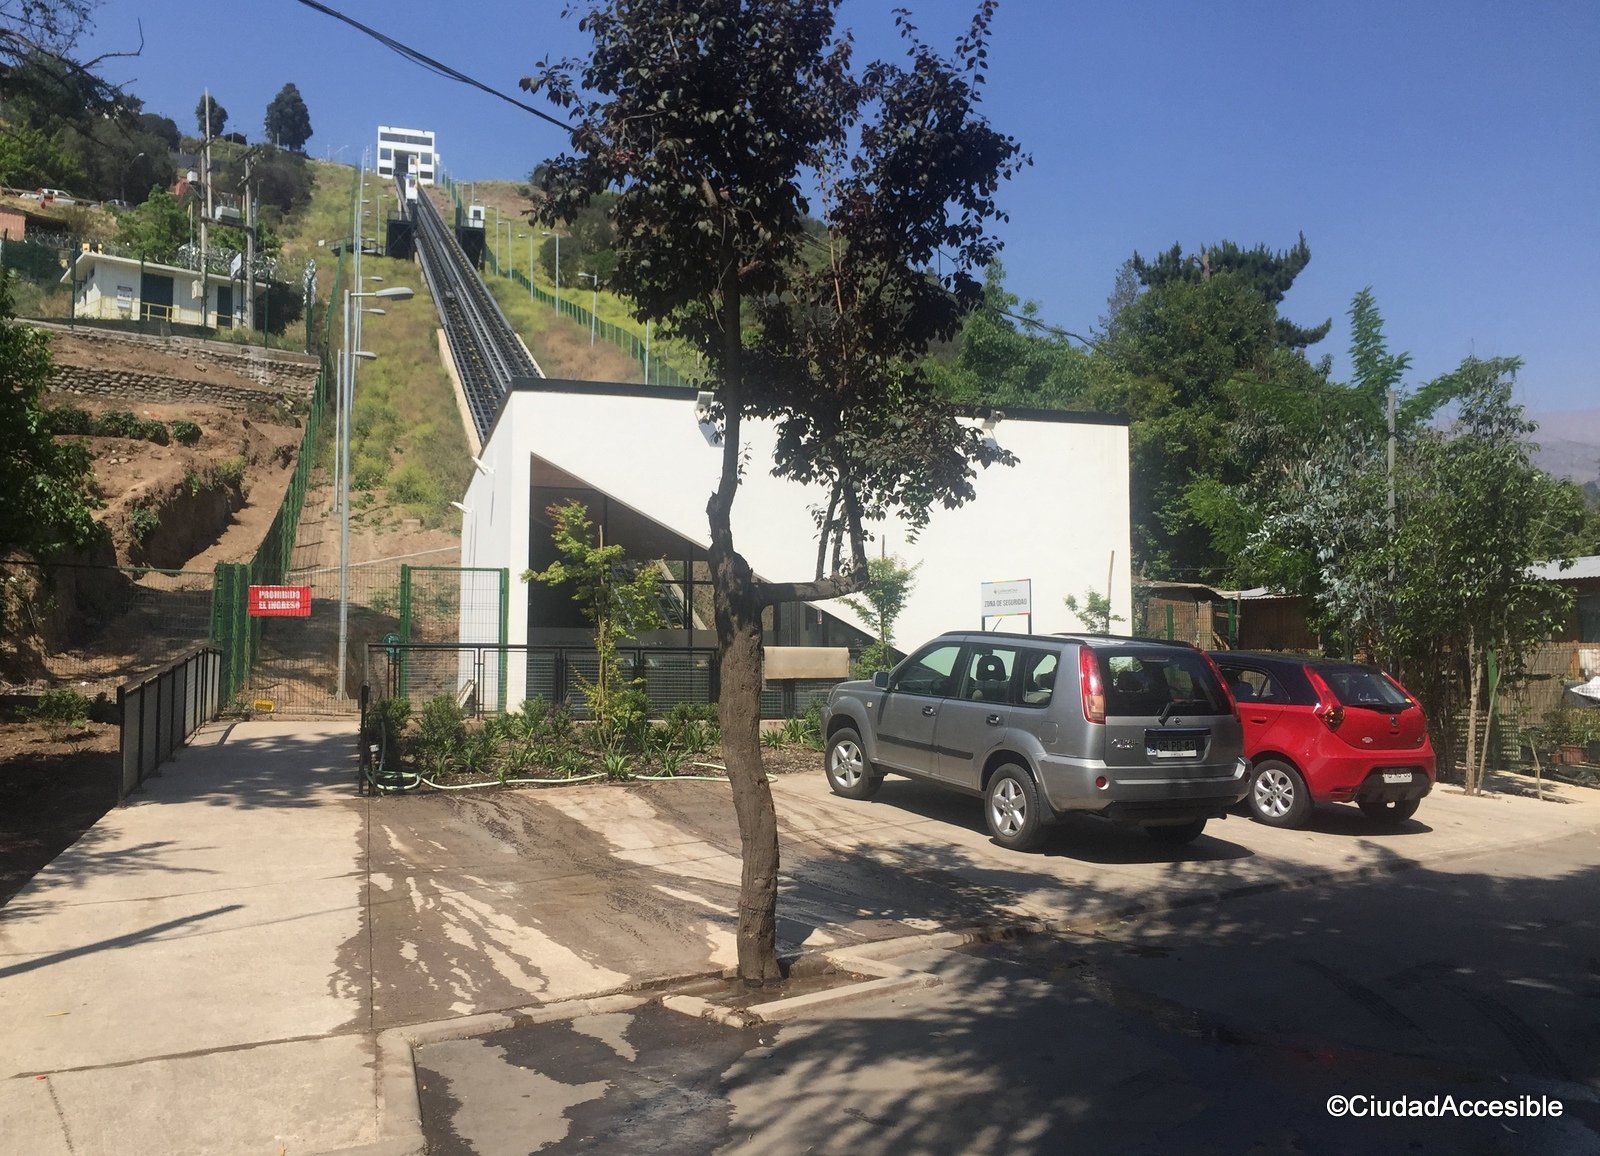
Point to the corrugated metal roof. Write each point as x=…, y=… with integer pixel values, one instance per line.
x=1586, y=567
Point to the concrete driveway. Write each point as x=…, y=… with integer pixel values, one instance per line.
x=212, y=967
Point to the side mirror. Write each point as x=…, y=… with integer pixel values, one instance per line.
x=880, y=679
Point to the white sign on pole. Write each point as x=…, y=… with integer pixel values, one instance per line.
x=1007, y=599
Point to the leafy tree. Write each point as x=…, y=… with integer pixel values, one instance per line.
x=1477, y=515
x=620, y=606
x=1215, y=383
x=881, y=602
x=1094, y=611
x=708, y=120
x=218, y=120
x=161, y=128
x=283, y=180
x=157, y=229
x=1450, y=585
x=48, y=483
x=1267, y=273
x=288, y=121
x=997, y=361
x=30, y=158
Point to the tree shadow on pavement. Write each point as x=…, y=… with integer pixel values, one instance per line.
x=1223, y=1028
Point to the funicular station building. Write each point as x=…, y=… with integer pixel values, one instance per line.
x=643, y=460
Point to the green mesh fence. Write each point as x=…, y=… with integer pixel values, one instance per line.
x=233, y=630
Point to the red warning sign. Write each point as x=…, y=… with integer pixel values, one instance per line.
x=280, y=602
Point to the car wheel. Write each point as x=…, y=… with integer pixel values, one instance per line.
x=1278, y=795
x=1390, y=812
x=1011, y=806
x=1177, y=834
x=849, y=772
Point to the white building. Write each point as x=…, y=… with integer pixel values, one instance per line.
x=416, y=144
x=644, y=465
x=124, y=289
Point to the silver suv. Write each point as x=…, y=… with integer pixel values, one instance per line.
x=1040, y=725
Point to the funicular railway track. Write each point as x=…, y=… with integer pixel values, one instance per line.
x=487, y=352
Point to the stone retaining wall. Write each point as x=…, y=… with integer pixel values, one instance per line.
x=94, y=363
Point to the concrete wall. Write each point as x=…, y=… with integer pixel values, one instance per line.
x=1060, y=517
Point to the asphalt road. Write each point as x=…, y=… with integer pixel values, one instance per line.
x=1220, y=1028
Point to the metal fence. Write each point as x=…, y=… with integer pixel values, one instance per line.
x=97, y=626
x=296, y=660
x=656, y=371
x=490, y=679
x=162, y=710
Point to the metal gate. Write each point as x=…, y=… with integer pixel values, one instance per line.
x=297, y=667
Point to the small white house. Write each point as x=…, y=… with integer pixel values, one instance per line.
x=644, y=464
x=112, y=288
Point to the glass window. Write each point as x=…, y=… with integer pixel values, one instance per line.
x=1362, y=686
x=1149, y=682
x=988, y=671
x=1253, y=685
x=1038, y=676
x=931, y=672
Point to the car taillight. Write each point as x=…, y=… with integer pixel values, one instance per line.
x=1328, y=708
x=1094, y=692
x=1216, y=672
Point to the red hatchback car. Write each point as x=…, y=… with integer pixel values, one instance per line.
x=1324, y=731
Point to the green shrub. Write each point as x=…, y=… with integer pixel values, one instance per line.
x=413, y=486
x=185, y=432
x=441, y=735
x=369, y=472
x=62, y=709
x=68, y=419
x=120, y=423
x=116, y=423
x=230, y=471
x=386, y=725
x=145, y=522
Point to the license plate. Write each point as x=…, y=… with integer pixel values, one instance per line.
x=1175, y=748
x=1397, y=776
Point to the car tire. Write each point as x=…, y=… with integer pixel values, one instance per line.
x=1012, y=809
x=850, y=773
x=1278, y=795
x=1177, y=834
x=1389, y=812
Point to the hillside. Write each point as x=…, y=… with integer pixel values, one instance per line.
x=1569, y=444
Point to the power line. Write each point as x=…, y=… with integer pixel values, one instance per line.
x=432, y=65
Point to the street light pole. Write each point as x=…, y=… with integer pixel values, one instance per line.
x=556, y=304
x=347, y=398
x=594, y=302
x=136, y=159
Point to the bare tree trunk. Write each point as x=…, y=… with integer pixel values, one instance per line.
x=1474, y=685
x=739, y=666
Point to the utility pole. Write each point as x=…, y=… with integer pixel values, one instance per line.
x=205, y=214
x=249, y=248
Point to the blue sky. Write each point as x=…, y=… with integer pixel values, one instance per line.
x=1446, y=154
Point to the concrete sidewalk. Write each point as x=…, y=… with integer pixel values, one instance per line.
x=171, y=983
x=198, y=973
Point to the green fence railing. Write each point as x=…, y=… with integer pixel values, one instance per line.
x=233, y=630
x=656, y=371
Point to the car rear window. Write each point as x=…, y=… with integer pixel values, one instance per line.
x=1362, y=686
x=1151, y=682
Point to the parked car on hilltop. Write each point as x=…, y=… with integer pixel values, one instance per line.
x=1324, y=731
x=1042, y=725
